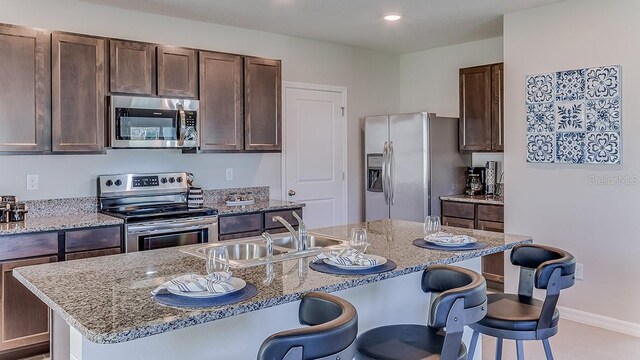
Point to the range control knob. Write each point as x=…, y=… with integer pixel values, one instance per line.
x=118, y=182
x=179, y=179
x=163, y=180
x=172, y=180
x=109, y=183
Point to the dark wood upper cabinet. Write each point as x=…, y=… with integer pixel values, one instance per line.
x=221, y=100
x=132, y=67
x=262, y=104
x=25, y=90
x=177, y=72
x=78, y=93
x=497, y=112
x=475, y=109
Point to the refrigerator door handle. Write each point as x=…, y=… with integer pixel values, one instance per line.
x=385, y=158
x=392, y=183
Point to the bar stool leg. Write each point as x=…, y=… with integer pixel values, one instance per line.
x=520, y=349
x=499, y=349
x=473, y=344
x=547, y=349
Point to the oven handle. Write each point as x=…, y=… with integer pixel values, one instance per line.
x=172, y=226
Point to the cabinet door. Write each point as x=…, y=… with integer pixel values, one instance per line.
x=262, y=106
x=177, y=72
x=475, y=109
x=25, y=90
x=490, y=226
x=24, y=319
x=132, y=67
x=78, y=93
x=221, y=119
x=456, y=222
x=92, y=253
x=497, y=113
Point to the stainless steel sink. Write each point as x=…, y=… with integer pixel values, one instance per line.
x=312, y=242
x=252, y=251
x=241, y=251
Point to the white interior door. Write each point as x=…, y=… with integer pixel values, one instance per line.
x=314, y=152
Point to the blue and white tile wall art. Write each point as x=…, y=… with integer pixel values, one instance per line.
x=574, y=116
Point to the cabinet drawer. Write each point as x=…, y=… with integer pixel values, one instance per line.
x=491, y=213
x=240, y=235
x=240, y=223
x=92, y=239
x=28, y=245
x=457, y=222
x=490, y=226
x=285, y=214
x=91, y=254
x=457, y=209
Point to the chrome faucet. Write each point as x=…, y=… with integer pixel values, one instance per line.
x=269, y=240
x=300, y=244
x=302, y=229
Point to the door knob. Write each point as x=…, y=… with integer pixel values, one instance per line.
x=292, y=193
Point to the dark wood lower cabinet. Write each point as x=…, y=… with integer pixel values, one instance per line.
x=24, y=319
x=457, y=222
x=92, y=253
x=250, y=225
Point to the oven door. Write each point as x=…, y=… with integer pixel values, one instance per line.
x=170, y=233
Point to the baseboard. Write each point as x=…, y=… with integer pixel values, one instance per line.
x=600, y=321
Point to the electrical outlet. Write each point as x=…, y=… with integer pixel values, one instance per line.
x=32, y=182
x=579, y=271
x=229, y=173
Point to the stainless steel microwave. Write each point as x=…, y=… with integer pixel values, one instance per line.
x=143, y=122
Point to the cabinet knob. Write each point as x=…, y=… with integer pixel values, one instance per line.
x=292, y=193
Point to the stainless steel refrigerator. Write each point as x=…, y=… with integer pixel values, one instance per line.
x=410, y=161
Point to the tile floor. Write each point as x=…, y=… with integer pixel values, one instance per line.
x=574, y=341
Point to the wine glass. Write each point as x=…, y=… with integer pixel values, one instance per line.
x=217, y=259
x=431, y=225
x=359, y=240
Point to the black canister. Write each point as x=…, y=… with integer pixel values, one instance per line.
x=17, y=211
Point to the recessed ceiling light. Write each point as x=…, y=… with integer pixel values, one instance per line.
x=392, y=17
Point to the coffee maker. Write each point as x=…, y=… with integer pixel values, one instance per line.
x=475, y=180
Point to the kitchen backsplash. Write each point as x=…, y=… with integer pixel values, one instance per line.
x=89, y=204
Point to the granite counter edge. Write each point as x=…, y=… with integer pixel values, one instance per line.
x=154, y=329
x=62, y=227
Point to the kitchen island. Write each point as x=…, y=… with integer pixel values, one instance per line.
x=103, y=308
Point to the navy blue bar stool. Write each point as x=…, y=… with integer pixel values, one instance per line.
x=331, y=332
x=458, y=298
x=522, y=317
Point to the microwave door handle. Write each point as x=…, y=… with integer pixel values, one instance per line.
x=183, y=124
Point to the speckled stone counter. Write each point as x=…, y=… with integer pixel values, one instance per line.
x=475, y=199
x=57, y=223
x=108, y=299
x=260, y=205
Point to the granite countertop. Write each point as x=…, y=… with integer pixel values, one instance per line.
x=475, y=199
x=58, y=222
x=108, y=299
x=260, y=205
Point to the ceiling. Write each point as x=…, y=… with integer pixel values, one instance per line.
x=425, y=24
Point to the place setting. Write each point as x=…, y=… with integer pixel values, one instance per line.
x=219, y=287
x=353, y=260
x=436, y=239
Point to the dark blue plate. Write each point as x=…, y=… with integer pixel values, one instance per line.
x=169, y=299
x=321, y=266
x=421, y=243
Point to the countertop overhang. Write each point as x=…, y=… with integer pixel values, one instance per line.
x=108, y=299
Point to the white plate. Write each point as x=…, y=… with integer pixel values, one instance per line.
x=454, y=241
x=237, y=283
x=381, y=261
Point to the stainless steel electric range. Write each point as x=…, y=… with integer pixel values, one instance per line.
x=155, y=210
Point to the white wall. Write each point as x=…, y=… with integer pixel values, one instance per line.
x=556, y=203
x=370, y=77
x=429, y=80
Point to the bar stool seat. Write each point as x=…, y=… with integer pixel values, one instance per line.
x=407, y=342
x=458, y=298
x=514, y=312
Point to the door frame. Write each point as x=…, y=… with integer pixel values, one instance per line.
x=317, y=87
